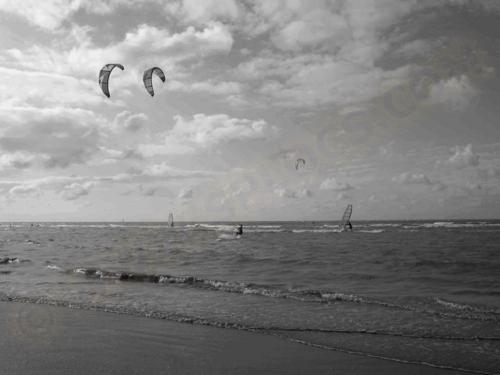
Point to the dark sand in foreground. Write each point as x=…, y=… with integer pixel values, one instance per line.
x=41, y=339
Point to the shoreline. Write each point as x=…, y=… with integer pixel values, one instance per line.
x=47, y=339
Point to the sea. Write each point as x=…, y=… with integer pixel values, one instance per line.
x=418, y=292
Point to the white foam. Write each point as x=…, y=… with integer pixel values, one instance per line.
x=54, y=267
x=316, y=230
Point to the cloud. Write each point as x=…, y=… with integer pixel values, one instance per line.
x=408, y=178
x=343, y=196
x=315, y=27
x=206, y=131
x=24, y=190
x=214, y=38
x=439, y=186
x=132, y=122
x=457, y=92
x=463, y=158
x=186, y=194
x=37, y=186
x=59, y=137
x=299, y=80
x=209, y=86
x=76, y=190
x=208, y=10
x=163, y=170
x=209, y=130
x=34, y=88
x=78, y=57
x=333, y=184
x=48, y=14
x=287, y=193
x=17, y=160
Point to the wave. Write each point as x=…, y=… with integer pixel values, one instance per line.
x=221, y=285
x=15, y=260
x=184, y=318
x=281, y=332
x=9, y=260
x=54, y=267
x=456, y=306
x=110, y=226
x=215, y=227
x=451, y=224
x=316, y=230
x=302, y=295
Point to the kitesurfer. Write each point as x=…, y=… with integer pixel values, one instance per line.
x=239, y=230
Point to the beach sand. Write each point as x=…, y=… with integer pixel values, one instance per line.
x=43, y=339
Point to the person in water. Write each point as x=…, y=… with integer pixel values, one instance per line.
x=239, y=230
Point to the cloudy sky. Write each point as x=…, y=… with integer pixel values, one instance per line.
x=394, y=106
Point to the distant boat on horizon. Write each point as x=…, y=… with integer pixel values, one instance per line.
x=170, y=219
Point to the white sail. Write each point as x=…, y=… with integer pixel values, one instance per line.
x=346, y=217
x=170, y=219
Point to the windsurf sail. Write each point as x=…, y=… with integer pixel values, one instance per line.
x=170, y=219
x=345, y=222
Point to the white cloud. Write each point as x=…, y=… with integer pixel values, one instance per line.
x=33, y=88
x=313, y=28
x=186, y=194
x=58, y=136
x=299, y=81
x=463, y=157
x=283, y=192
x=78, y=56
x=206, y=131
x=209, y=10
x=46, y=14
x=37, y=186
x=457, y=92
x=343, y=196
x=24, y=190
x=408, y=178
x=163, y=170
x=214, y=38
x=132, y=122
x=76, y=190
x=210, y=86
x=17, y=160
x=333, y=184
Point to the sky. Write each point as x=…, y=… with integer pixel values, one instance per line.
x=393, y=105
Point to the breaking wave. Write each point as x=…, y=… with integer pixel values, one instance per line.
x=308, y=295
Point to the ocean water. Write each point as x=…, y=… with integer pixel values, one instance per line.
x=425, y=292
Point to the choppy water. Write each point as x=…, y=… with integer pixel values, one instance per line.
x=419, y=292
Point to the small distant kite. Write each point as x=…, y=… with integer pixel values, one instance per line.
x=104, y=76
x=300, y=162
x=147, y=78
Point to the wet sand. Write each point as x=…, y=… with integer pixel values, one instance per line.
x=42, y=339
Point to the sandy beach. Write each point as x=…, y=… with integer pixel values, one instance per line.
x=41, y=339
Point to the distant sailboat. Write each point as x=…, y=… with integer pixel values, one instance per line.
x=170, y=219
x=345, y=222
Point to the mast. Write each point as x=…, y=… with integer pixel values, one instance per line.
x=170, y=219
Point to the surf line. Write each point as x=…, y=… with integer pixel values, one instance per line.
x=381, y=357
x=184, y=319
